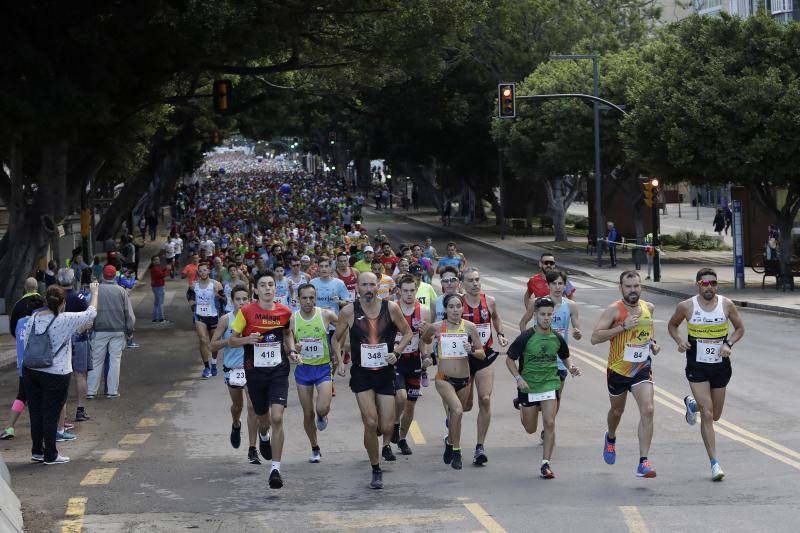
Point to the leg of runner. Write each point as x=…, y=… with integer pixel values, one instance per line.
x=205, y=351
x=369, y=403
x=252, y=432
x=394, y=435
x=613, y=418
x=549, y=408
x=454, y=402
x=484, y=384
x=276, y=438
x=237, y=404
x=643, y=393
x=406, y=419
x=709, y=403
x=305, y=393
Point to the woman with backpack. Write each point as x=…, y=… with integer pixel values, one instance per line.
x=47, y=362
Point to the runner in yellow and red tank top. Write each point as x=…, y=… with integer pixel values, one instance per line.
x=628, y=324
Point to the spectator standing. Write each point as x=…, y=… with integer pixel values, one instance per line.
x=77, y=302
x=152, y=224
x=719, y=221
x=728, y=218
x=612, y=238
x=26, y=305
x=113, y=324
x=158, y=276
x=46, y=388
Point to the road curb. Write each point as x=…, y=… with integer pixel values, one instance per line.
x=784, y=311
x=10, y=508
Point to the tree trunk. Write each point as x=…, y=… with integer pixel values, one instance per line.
x=530, y=208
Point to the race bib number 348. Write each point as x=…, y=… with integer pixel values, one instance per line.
x=374, y=355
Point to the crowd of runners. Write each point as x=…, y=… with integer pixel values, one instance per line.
x=285, y=282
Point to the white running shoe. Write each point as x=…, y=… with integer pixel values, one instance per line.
x=691, y=409
x=716, y=472
x=316, y=457
x=60, y=460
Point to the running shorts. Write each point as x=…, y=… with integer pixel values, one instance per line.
x=457, y=383
x=619, y=384
x=312, y=375
x=407, y=374
x=209, y=321
x=267, y=388
x=717, y=374
x=381, y=381
x=476, y=365
x=522, y=398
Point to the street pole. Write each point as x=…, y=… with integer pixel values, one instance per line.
x=501, y=210
x=597, y=175
x=656, y=238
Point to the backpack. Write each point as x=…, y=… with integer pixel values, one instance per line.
x=39, y=351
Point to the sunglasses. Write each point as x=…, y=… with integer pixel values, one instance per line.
x=449, y=280
x=549, y=263
x=707, y=283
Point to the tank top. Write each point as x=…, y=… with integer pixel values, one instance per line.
x=371, y=339
x=313, y=338
x=440, y=308
x=350, y=282
x=413, y=320
x=707, y=331
x=482, y=319
x=629, y=353
x=282, y=291
x=233, y=357
x=228, y=301
x=205, y=300
x=561, y=322
x=451, y=342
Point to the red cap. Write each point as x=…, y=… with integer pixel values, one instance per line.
x=109, y=271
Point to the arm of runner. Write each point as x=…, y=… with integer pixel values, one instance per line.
x=497, y=322
x=217, y=342
x=474, y=340
x=563, y=354
x=576, y=321
x=342, y=326
x=236, y=340
x=674, y=323
x=402, y=326
x=738, y=325
x=426, y=335
x=526, y=317
x=425, y=317
x=513, y=355
x=526, y=299
x=603, y=330
x=289, y=344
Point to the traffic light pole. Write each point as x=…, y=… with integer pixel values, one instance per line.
x=656, y=237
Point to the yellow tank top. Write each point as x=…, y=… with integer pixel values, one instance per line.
x=629, y=353
x=451, y=341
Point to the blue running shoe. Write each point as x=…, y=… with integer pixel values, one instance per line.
x=213, y=370
x=609, y=451
x=691, y=410
x=206, y=373
x=645, y=469
x=64, y=436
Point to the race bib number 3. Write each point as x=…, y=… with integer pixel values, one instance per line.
x=311, y=348
x=236, y=377
x=266, y=354
x=708, y=351
x=636, y=353
x=485, y=332
x=374, y=355
x=451, y=345
x=541, y=396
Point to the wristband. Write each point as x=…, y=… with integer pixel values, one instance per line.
x=728, y=344
x=518, y=378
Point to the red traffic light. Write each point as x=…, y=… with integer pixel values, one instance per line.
x=654, y=182
x=222, y=95
x=506, y=100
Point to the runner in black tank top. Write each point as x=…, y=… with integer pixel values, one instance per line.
x=373, y=334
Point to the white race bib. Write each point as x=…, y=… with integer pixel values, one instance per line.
x=236, y=377
x=413, y=345
x=312, y=348
x=374, y=355
x=484, y=332
x=541, y=396
x=451, y=345
x=266, y=354
x=636, y=353
x=708, y=351
x=205, y=310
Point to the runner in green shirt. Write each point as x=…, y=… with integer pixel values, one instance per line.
x=532, y=360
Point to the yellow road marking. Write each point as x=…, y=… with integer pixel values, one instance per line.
x=184, y=383
x=99, y=476
x=175, y=394
x=416, y=433
x=633, y=519
x=348, y=522
x=134, y=438
x=73, y=525
x=115, y=456
x=149, y=422
x=484, y=518
x=76, y=506
x=163, y=406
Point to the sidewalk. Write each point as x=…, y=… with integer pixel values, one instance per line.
x=678, y=269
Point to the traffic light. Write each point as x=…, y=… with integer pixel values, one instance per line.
x=650, y=189
x=222, y=95
x=332, y=138
x=506, y=100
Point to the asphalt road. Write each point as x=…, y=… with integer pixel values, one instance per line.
x=158, y=458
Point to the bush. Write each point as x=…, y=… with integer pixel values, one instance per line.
x=689, y=240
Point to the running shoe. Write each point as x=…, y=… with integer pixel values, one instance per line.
x=396, y=434
x=547, y=472
x=112, y=396
x=90, y=396
x=252, y=456
x=377, y=480
x=455, y=464
x=609, y=451
x=7, y=434
x=265, y=447
x=388, y=454
x=691, y=409
x=214, y=370
x=423, y=379
x=206, y=373
x=716, y=472
x=82, y=416
x=645, y=469
x=480, y=458
x=37, y=458
x=316, y=456
x=133, y=345
x=403, y=445
x=59, y=460
x=236, y=435
x=322, y=423
x=447, y=457
x=275, y=479
x=63, y=436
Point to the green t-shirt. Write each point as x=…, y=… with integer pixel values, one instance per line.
x=362, y=266
x=537, y=353
x=426, y=295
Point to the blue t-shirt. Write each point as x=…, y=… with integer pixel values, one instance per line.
x=77, y=302
x=450, y=261
x=330, y=292
x=19, y=333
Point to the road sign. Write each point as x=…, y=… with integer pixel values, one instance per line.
x=738, y=246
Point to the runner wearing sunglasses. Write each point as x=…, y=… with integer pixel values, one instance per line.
x=537, y=285
x=708, y=355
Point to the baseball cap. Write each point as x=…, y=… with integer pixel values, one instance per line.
x=305, y=258
x=109, y=271
x=416, y=268
x=369, y=249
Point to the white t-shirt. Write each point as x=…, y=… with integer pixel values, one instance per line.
x=177, y=243
x=208, y=246
x=65, y=325
x=169, y=250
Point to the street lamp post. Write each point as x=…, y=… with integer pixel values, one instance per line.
x=597, y=176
